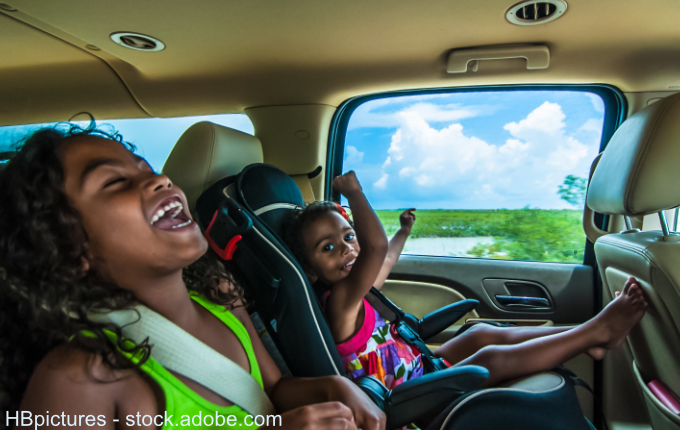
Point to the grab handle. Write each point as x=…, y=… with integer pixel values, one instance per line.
x=537, y=56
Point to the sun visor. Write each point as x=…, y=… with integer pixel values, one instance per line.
x=636, y=174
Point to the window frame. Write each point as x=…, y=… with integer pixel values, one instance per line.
x=614, y=114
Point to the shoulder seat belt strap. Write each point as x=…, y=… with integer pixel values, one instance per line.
x=177, y=350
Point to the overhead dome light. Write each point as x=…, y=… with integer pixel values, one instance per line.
x=138, y=42
x=536, y=12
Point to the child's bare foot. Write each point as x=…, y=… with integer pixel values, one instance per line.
x=599, y=352
x=619, y=317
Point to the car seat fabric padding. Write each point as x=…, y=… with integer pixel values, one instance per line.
x=262, y=185
x=289, y=310
x=549, y=405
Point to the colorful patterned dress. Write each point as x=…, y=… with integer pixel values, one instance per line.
x=378, y=350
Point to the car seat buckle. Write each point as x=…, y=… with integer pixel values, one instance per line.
x=407, y=333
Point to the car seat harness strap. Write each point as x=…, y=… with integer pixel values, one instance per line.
x=394, y=314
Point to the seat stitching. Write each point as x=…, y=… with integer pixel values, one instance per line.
x=647, y=255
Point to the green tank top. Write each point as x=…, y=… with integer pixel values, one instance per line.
x=184, y=404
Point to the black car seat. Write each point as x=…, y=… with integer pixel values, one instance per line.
x=242, y=217
x=207, y=152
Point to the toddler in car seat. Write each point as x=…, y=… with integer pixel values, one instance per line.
x=346, y=259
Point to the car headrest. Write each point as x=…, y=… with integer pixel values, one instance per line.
x=206, y=153
x=636, y=174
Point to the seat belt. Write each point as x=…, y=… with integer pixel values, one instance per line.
x=177, y=350
x=392, y=313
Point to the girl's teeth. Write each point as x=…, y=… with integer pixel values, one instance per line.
x=159, y=214
x=182, y=225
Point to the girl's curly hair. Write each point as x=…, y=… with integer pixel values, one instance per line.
x=298, y=220
x=45, y=297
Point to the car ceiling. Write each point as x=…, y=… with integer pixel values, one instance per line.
x=225, y=56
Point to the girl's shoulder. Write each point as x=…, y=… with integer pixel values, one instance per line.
x=71, y=379
x=69, y=363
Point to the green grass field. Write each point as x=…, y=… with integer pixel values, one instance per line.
x=519, y=234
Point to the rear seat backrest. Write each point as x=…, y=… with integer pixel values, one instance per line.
x=637, y=176
x=207, y=152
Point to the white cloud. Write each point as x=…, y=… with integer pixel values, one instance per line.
x=592, y=125
x=352, y=155
x=513, y=145
x=424, y=180
x=365, y=116
x=451, y=164
x=547, y=118
x=382, y=182
x=598, y=103
x=407, y=171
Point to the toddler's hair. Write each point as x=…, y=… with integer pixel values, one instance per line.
x=299, y=220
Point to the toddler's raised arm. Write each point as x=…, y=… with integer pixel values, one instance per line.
x=346, y=296
x=406, y=219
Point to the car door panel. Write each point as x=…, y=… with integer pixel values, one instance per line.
x=421, y=298
x=567, y=287
x=418, y=283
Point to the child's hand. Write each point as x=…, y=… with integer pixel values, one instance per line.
x=321, y=416
x=366, y=414
x=407, y=219
x=347, y=184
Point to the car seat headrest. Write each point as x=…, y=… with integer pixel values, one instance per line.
x=635, y=175
x=207, y=152
x=263, y=189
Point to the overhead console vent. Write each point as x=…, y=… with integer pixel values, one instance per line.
x=536, y=12
x=138, y=42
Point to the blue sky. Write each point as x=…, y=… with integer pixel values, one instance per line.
x=477, y=150
x=154, y=137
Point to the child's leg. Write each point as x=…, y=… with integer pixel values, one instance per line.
x=480, y=335
x=606, y=330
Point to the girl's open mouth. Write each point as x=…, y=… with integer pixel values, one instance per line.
x=349, y=265
x=170, y=215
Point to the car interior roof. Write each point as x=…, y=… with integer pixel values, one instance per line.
x=227, y=56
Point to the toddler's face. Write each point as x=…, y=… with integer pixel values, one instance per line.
x=331, y=248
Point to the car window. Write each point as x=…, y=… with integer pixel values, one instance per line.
x=492, y=174
x=153, y=137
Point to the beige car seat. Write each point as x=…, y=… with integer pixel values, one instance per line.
x=207, y=152
x=638, y=175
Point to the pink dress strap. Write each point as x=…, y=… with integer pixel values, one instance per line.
x=362, y=337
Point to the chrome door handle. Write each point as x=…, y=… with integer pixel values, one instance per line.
x=523, y=302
